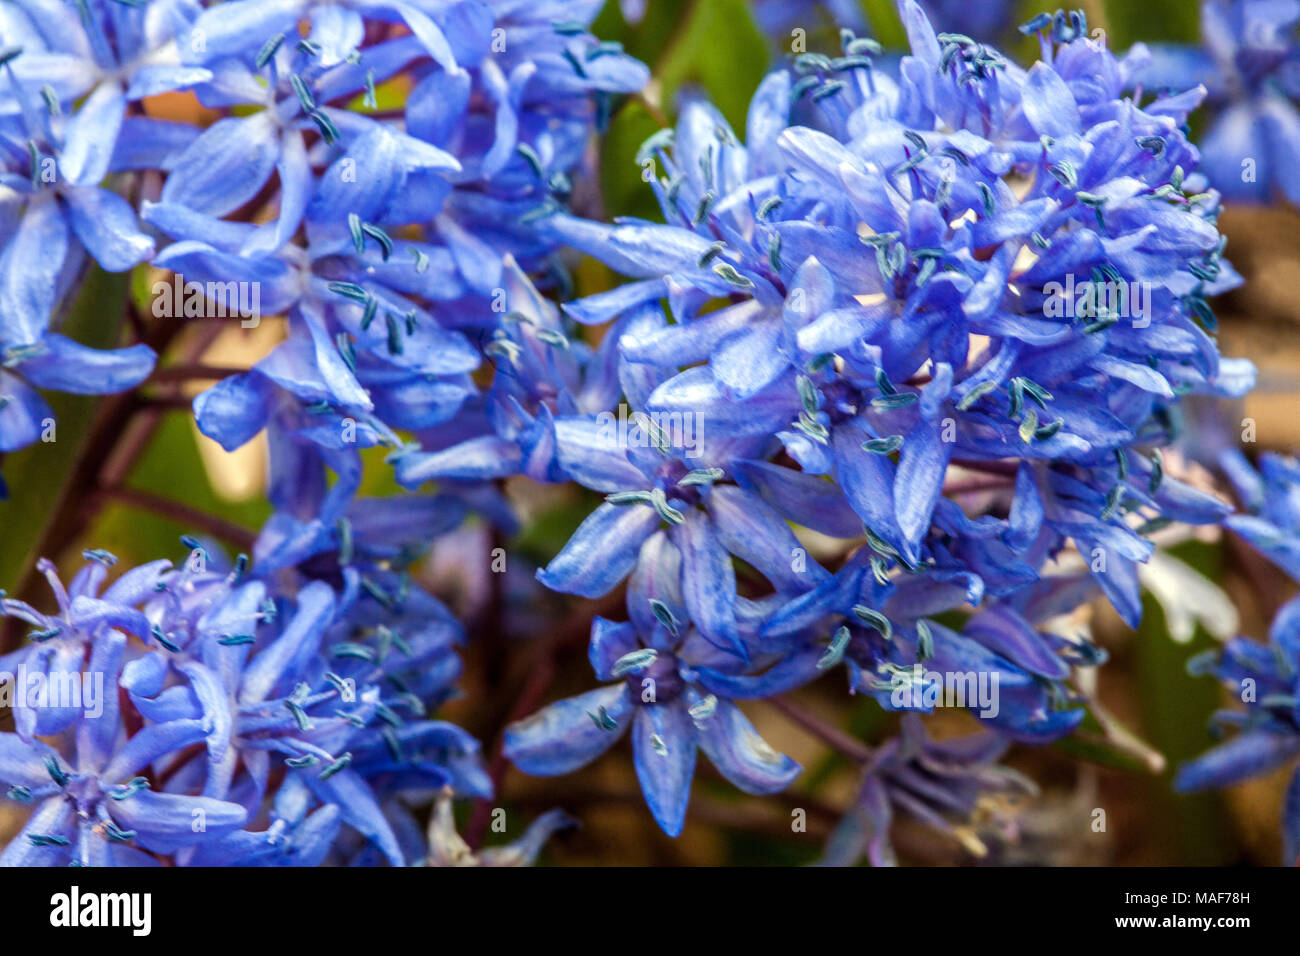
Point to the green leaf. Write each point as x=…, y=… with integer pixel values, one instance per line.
x=722, y=50
x=623, y=185
x=1166, y=21
x=645, y=40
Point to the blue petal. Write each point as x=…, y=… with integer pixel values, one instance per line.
x=483, y=458
x=234, y=410
x=602, y=551
x=1048, y=103
x=868, y=482
x=566, y=735
x=750, y=529
x=226, y=166
x=68, y=366
x=90, y=136
x=106, y=226
x=708, y=582
x=29, y=273
x=741, y=755
x=23, y=413
x=805, y=499
x=356, y=802
x=1246, y=755
x=22, y=762
x=170, y=818
x=149, y=744
x=922, y=465
x=665, y=774
x=239, y=29
x=271, y=667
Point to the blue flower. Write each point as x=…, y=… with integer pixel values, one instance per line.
x=410, y=233
x=56, y=156
x=864, y=255
x=940, y=784
x=346, y=716
x=238, y=697
x=671, y=689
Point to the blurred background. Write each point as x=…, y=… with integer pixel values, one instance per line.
x=111, y=481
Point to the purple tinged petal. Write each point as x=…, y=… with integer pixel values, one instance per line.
x=106, y=226
x=151, y=743
x=29, y=273
x=301, y=637
x=741, y=755
x=663, y=744
x=226, y=166
x=569, y=733
x=1048, y=103
x=67, y=366
x=1245, y=755
x=602, y=551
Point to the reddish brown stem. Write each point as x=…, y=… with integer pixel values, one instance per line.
x=176, y=511
x=851, y=747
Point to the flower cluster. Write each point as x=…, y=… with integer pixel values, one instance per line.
x=374, y=175
x=198, y=715
x=945, y=320
x=886, y=389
